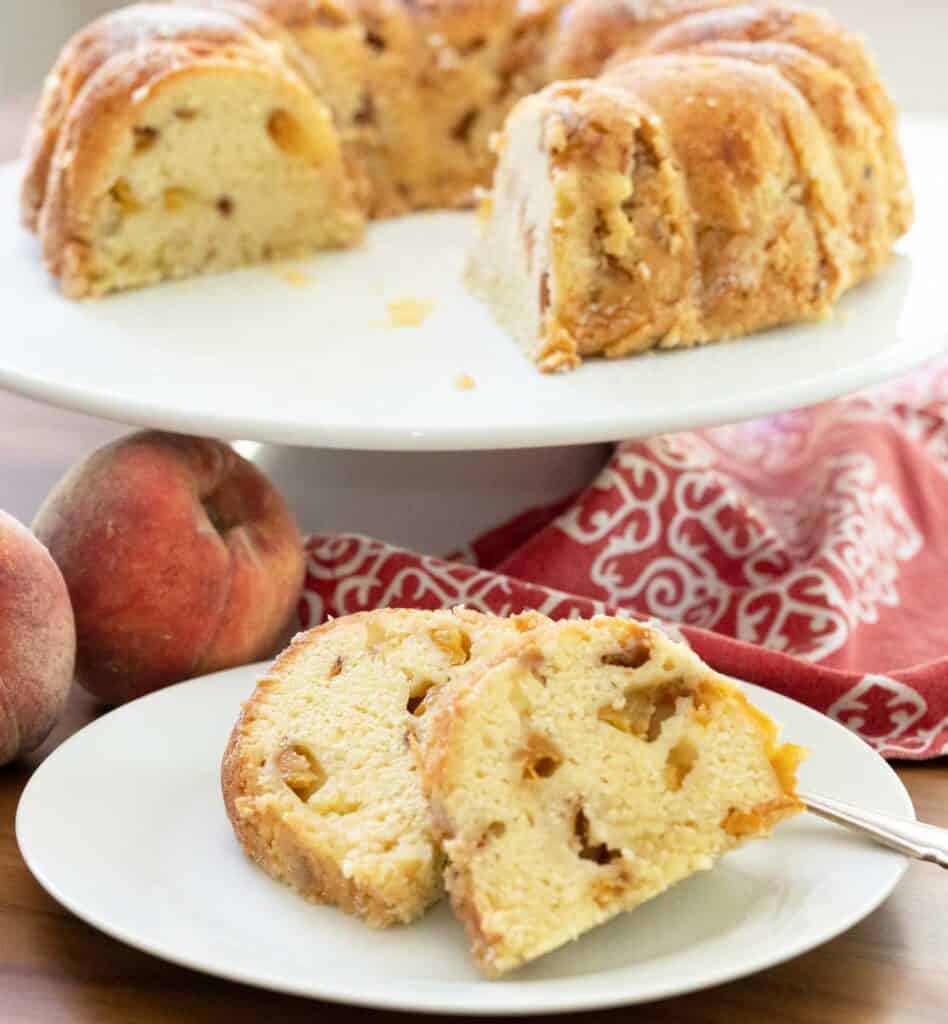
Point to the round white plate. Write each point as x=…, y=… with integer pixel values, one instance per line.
x=124, y=825
x=248, y=354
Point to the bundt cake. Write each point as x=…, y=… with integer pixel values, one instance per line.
x=710, y=167
x=319, y=777
x=590, y=767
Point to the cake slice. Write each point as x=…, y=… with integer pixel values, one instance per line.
x=184, y=157
x=593, y=765
x=205, y=24
x=319, y=778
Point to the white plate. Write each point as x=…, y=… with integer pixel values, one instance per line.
x=124, y=825
x=249, y=355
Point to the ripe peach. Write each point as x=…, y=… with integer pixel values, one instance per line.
x=180, y=558
x=37, y=641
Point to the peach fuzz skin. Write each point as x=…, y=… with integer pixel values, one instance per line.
x=37, y=641
x=180, y=558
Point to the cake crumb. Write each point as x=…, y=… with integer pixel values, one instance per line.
x=465, y=382
x=484, y=205
x=409, y=312
x=296, y=277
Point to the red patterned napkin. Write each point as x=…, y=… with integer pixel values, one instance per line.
x=806, y=552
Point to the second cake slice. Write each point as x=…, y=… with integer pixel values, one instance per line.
x=319, y=778
x=592, y=766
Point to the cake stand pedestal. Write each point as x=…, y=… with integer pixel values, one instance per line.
x=431, y=502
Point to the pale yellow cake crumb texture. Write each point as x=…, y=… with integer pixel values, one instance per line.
x=319, y=777
x=409, y=312
x=297, y=277
x=591, y=767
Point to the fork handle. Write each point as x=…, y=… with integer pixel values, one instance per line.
x=924, y=842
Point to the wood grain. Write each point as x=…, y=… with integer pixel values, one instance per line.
x=54, y=969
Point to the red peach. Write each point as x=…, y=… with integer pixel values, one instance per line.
x=180, y=558
x=37, y=641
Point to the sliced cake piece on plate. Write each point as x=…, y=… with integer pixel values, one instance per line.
x=593, y=765
x=319, y=778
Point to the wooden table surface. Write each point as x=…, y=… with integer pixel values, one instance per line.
x=53, y=968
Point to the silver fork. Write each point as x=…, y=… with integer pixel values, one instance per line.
x=924, y=842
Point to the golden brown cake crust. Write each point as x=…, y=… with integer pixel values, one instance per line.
x=768, y=206
x=592, y=31
x=850, y=130
x=818, y=34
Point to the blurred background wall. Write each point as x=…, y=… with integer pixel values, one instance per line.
x=909, y=37
x=31, y=34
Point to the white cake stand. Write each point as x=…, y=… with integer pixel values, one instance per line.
x=308, y=357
